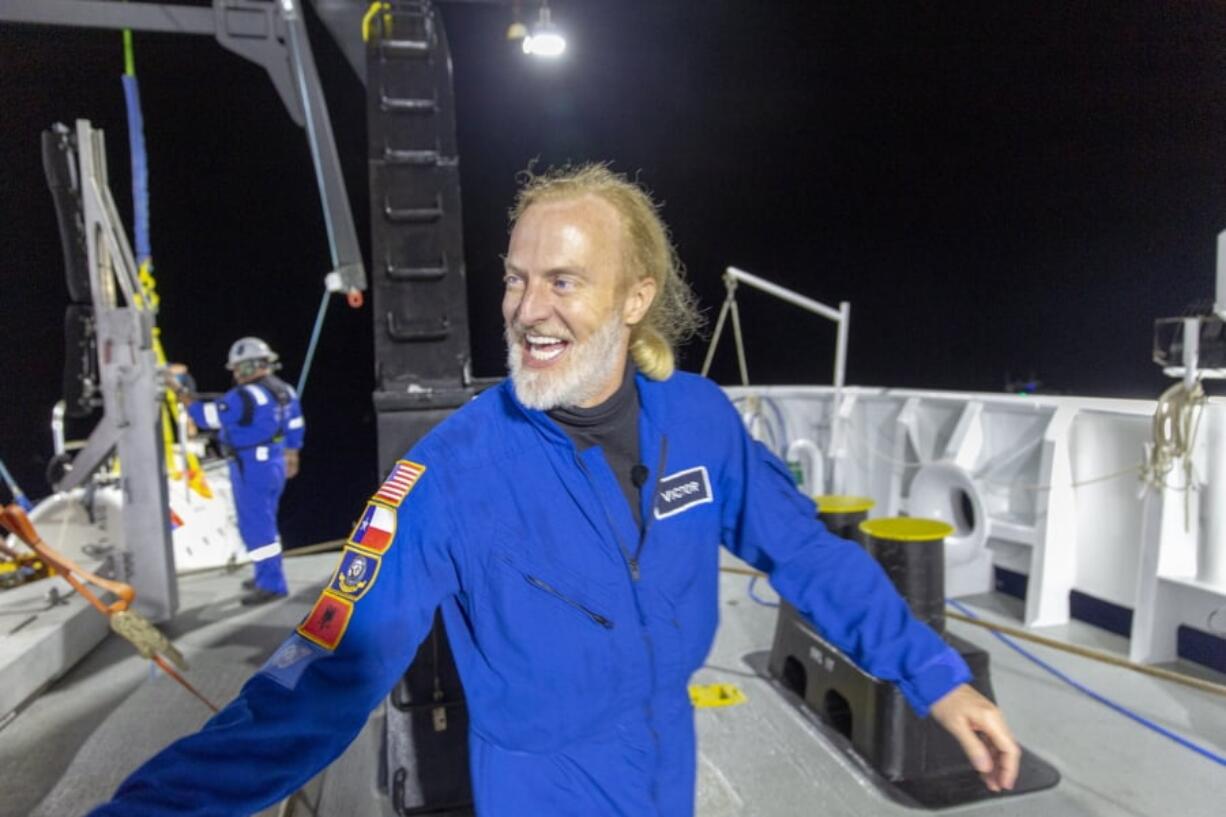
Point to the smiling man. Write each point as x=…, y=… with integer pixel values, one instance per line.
x=566, y=307
x=568, y=524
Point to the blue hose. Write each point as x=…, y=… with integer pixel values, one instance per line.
x=1128, y=713
x=140, y=169
x=753, y=580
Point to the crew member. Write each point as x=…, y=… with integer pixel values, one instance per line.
x=568, y=524
x=261, y=428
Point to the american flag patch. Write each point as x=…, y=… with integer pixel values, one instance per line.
x=398, y=483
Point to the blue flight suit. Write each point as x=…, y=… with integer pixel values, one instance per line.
x=256, y=422
x=574, y=633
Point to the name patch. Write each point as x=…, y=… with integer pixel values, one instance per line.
x=682, y=491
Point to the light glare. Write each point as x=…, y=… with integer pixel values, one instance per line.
x=546, y=44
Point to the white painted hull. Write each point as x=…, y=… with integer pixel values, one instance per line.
x=1046, y=486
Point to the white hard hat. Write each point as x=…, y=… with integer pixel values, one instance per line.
x=249, y=349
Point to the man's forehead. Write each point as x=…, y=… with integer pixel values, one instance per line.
x=574, y=226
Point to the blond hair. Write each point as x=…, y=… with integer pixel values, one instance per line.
x=673, y=315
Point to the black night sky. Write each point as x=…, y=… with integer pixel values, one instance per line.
x=999, y=189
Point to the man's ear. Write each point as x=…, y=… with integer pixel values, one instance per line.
x=638, y=300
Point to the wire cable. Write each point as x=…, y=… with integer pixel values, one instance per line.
x=310, y=355
x=773, y=404
x=756, y=421
x=18, y=495
x=1107, y=702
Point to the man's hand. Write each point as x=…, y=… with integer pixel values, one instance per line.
x=170, y=377
x=985, y=737
x=291, y=463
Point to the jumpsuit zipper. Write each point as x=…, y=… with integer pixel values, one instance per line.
x=655, y=492
x=632, y=563
x=632, y=559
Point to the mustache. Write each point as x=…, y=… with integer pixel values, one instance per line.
x=517, y=333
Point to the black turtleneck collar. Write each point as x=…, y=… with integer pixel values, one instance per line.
x=624, y=400
x=614, y=426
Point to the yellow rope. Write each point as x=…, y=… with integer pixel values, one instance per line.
x=194, y=474
x=147, y=298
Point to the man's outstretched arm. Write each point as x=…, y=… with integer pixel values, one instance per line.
x=847, y=595
x=310, y=700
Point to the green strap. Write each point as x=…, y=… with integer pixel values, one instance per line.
x=129, y=56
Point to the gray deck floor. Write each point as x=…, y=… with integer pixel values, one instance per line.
x=765, y=758
x=71, y=746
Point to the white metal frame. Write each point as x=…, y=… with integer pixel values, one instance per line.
x=842, y=319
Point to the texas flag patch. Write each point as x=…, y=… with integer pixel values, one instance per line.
x=376, y=530
x=399, y=482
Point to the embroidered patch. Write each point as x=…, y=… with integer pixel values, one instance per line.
x=291, y=660
x=399, y=482
x=328, y=620
x=355, y=575
x=682, y=491
x=376, y=529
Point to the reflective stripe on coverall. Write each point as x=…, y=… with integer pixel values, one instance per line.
x=254, y=424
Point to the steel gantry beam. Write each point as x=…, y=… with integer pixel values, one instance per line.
x=271, y=34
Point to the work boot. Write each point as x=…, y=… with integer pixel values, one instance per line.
x=261, y=596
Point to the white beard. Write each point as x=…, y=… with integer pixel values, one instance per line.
x=591, y=365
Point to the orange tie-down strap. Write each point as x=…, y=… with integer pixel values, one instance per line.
x=148, y=640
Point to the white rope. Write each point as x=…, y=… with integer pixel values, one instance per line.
x=1176, y=423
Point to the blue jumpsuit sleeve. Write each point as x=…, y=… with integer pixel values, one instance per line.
x=295, y=424
x=216, y=415
x=834, y=583
x=310, y=700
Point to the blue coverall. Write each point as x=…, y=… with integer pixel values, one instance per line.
x=574, y=636
x=256, y=423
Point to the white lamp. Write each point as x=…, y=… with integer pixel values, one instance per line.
x=545, y=39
